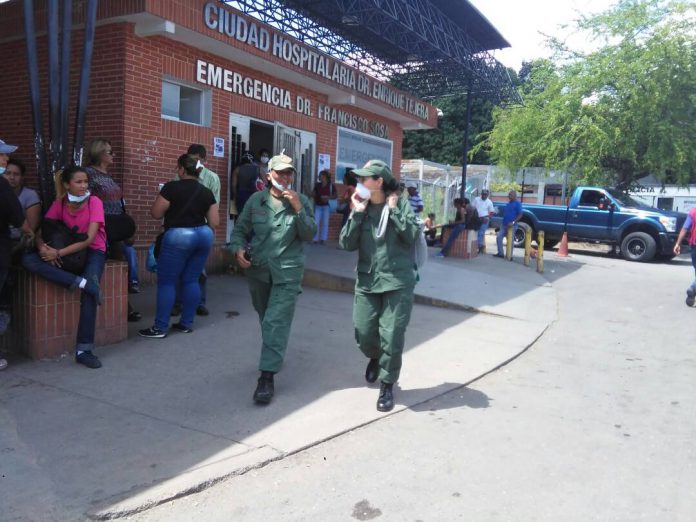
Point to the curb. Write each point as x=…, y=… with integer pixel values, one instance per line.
x=325, y=281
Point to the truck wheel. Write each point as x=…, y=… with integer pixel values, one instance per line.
x=522, y=230
x=638, y=246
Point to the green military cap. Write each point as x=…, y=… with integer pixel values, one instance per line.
x=375, y=168
x=280, y=162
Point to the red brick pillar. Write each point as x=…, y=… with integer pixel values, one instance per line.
x=45, y=316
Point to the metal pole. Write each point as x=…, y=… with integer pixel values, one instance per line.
x=65, y=80
x=90, y=21
x=46, y=186
x=53, y=85
x=465, y=158
x=522, y=191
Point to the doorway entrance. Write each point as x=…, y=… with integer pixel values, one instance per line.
x=251, y=135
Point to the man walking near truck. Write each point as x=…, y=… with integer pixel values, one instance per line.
x=511, y=216
x=689, y=228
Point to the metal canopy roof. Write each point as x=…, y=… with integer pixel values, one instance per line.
x=429, y=48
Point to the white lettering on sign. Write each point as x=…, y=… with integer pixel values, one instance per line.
x=218, y=18
x=227, y=23
x=234, y=82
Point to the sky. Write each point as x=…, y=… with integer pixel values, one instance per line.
x=521, y=22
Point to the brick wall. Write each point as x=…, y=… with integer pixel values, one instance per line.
x=45, y=316
x=125, y=104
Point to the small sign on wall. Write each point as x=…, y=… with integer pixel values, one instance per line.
x=324, y=163
x=219, y=147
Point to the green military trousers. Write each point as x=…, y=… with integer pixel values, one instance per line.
x=380, y=322
x=275, y=304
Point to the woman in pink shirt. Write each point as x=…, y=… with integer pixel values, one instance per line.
x=84, y=214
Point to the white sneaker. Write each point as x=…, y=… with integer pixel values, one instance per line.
x=3, y=364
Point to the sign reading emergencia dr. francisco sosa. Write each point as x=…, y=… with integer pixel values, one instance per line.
x=218, y=18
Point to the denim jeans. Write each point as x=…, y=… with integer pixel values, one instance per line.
x=455, y=231
x=321, y=216
x=502, y=233
x=132, y=258
x=182, y=258
x=88, y=304
x=481, y=234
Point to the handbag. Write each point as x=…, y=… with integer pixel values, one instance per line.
x=56, y=234
x=119, y=227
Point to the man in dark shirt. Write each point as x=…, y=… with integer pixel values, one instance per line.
x=11, y=214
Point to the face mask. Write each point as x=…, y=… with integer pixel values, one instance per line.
x=199, y=165
x=362, y=191
x=277, y=185
x=264, y=159
x=77, y=199
x=2, y=170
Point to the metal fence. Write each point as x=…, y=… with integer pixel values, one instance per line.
x=439, y=185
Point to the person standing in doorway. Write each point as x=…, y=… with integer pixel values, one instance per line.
x=322, y=193
x=690, y=229
x=268, y=240
x=511, y=217
x=485, y=209
x=383, y=229
x=244, y=179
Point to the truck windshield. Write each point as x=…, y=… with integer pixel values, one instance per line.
x=625, y=200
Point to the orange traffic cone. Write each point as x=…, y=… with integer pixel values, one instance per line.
x=563, y=247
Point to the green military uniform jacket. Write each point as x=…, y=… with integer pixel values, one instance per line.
x=278, y=232
x=387, y=263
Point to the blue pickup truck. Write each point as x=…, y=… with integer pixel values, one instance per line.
x=602, y=215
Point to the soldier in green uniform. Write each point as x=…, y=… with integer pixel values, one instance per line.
x=383, y=229
x=276, y=221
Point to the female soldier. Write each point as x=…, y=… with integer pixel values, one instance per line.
x=383, y=229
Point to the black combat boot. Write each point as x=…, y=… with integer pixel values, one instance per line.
x=372, y=370
x=264, y=388
x=385, y=402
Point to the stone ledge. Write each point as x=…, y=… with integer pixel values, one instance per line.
x=45, y=316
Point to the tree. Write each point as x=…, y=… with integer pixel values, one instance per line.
x=445, y=144
x=616, y=114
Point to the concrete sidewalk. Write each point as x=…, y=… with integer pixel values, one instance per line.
x=167, y=417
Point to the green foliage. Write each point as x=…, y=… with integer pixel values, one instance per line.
x=621, y=112
x=446, y=144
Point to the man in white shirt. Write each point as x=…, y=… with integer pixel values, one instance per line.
x=485, y=209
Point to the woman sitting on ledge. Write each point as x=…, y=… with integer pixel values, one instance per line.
x=84, y=214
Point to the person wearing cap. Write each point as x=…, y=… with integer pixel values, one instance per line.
x=414, y=197
x=11, y=214
x=383, y=229
x=484, y=208
x=268, y=240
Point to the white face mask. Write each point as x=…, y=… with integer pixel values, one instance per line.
x=264, y=159
x=2, y=170
x=362, y=191
x=277, y=185
x=78, y=199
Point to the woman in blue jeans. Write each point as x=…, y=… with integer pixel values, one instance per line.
x=190, y=214
x=85, y=213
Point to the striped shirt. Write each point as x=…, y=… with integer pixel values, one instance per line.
x=416, y=202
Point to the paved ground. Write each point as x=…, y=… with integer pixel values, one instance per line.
x=595, y=422
x=164, y=418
